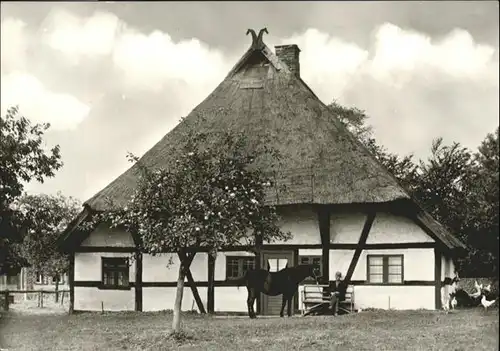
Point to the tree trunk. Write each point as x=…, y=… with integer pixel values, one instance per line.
x=57, y=290
x=176, y=322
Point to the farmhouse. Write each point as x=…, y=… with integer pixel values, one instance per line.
x=344, y=210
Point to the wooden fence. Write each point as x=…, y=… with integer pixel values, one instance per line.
x=6, y=298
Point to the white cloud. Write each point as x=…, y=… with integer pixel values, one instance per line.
x=150, y=62
x=13, y=44
x=79, y=38
x=398, y=52
x=61, y=110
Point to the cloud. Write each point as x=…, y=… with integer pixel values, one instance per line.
x=13, y=44
x=150, y=62
x=414, y=87
x=81, y=38
x=62, y=111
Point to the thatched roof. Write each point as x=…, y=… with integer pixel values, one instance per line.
x=262, y=96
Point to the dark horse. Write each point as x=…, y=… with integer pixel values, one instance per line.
x=284, y=282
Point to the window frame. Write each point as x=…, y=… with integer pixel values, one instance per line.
x=126, y=270
x=240, y=260
x=310, y=261
x=385, y=269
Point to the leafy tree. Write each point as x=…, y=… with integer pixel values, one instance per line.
x=44, y=218
x=484, y=214
x=23, y=158
x=458, y=187
x=212, y=197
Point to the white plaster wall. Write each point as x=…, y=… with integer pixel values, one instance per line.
x=345, y=227
x=89, y=299
x=165, y=267
x=310, y=252
x=388, y=228
x=401, y=297
x=302, y=222
x=231, y=299
x=159, y=299
x=88, y=265
x=418, y=263
x=340, y=261
x=103, y=235
x=447, y=267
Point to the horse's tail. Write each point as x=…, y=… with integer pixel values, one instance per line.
x=241, y=281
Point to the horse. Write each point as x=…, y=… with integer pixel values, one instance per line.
x=284, y=282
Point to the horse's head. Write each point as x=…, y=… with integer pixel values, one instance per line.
x=313, y=271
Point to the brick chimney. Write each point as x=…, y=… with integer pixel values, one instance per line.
x=289, y=54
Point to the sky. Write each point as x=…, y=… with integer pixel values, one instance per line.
x=114, y=77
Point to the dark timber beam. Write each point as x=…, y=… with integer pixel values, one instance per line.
x=186, y=261
x=362, y=241
x=138, y=281
x=324, y=231
x=71, y=282
x=211, y=279
x=258, y=255
x=437, y=278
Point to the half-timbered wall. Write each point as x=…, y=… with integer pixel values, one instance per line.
x=159, y=273
x=88, y=272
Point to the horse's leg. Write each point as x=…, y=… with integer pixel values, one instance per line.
x=250, y=301
x=289, y=311
x=283, y=302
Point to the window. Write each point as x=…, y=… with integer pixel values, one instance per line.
x=115, y=272
x=41, y=278
x=385, y=269
x=236, y=267
x=312, y=260
x=57, y=277
x=276, y=264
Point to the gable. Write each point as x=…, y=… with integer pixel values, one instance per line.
x=103, y=236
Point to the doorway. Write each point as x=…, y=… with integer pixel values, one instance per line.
x=275, y=261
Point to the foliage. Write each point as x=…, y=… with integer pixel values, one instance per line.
x=44, y=218
x=211, y=196
x=23, y=157
x=457, y=187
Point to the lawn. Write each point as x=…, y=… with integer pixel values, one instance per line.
x=369, y=330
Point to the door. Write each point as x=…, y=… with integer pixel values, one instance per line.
x=275, y=261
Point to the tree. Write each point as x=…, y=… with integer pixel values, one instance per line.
x=44, y=218
x=23, y=158
x=213, y=196
x=457, y=187
x=484, y=214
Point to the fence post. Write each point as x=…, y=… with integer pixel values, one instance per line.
x=6, y=300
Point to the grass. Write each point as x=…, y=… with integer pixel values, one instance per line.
x=368, y=330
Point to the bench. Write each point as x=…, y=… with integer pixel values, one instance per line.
x=316, y=299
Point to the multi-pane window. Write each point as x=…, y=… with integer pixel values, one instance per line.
x=41, y=278
x=385, y=269
x=236, y=266
x=115, y=272
x=276, y=264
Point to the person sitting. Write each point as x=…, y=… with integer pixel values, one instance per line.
x=337, y=291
